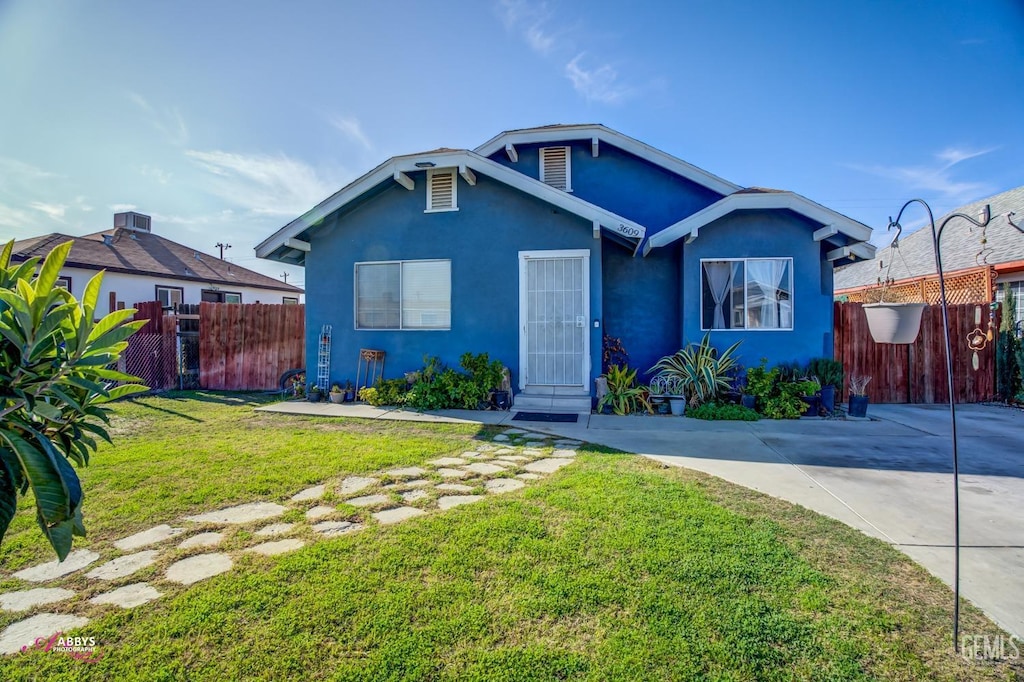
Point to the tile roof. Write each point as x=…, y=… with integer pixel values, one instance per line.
x=961, y=245
x=144, y=253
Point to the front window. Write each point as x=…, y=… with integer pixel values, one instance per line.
x=63, y=283
x=403, y=295
x=747, y=293
x=169, y=296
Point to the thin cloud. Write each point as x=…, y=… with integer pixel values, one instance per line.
x=595, y=79
x=263, y=184
x=169, y=122
x=158, y=174
x=121, y=208
x=351, y=128
x=937, y=179
x=12, y=217
x=600, y=84
x=53, y=211
x=13, y=168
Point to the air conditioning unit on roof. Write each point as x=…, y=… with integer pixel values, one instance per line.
x=131, y=220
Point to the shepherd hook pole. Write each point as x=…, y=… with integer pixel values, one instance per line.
x=936, y=238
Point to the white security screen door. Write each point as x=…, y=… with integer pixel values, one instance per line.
x=554, y=311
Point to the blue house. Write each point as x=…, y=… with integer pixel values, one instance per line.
x=534, y=245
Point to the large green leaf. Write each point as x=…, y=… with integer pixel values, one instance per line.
x=50, y=270
x=121, y=392
x=44, y=477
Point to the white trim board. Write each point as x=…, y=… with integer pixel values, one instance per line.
x=689, y=227
x=471, y=161
x=594, y=134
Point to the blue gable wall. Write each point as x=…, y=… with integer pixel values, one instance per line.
x=765, y=234
x=622, y=183
x=482, y=239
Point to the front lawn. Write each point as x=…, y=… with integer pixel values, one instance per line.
x=614, y=568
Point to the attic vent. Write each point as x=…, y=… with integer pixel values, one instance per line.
x=441, y=190
x=555, y=167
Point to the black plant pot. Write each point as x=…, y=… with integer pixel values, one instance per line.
x=500, y=400
x=858, y=406
x=313, y=397
x=748, y=401
x=828, y=398
x=350, y=396
x=812, y=405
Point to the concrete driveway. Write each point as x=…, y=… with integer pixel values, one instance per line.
x=890, y=477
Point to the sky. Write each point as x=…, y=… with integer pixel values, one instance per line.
x=225, y=120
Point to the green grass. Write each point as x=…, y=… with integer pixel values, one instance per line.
x=615, y=568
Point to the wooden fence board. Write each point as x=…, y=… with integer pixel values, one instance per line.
x=917, y=372
x=248, y=347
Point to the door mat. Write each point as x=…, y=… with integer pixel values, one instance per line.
x=544, y=417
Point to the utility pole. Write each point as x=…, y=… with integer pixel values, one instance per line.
x=222, y=247
x=285, y=275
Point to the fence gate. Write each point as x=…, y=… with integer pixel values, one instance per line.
x=187, y=315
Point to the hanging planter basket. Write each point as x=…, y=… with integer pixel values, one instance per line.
x=894, y=322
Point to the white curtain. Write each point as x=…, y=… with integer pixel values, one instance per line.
x=765, y=275
x=719, y=275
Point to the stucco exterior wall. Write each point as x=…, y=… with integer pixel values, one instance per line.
x=765, y=234
x=482, y=239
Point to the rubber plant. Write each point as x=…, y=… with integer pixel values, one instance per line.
x=700, y=369
x=55, y=377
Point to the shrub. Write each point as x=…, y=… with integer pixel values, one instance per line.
x=439, y=388
x=777, y=398
x=624, y=396
x=722, y=412
x=828, y=371
x=1008, y=350
x=55, y=377
x=700, y=369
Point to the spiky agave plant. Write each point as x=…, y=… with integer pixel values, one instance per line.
x=699, y=369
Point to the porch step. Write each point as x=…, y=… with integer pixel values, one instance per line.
x=531, y=402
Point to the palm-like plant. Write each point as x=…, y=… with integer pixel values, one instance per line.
x=699, y=369
x=624, y=396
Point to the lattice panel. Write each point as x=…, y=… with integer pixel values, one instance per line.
x=968, y=287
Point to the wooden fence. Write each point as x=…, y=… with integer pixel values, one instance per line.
x=916, y=373
x=247, y=347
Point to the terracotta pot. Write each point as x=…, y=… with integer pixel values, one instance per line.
x=894, y=322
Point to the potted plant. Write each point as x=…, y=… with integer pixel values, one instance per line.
x=894, y=322
x=350, y=391
x=313, y=393
x=698, y=372
x=830, y=374
x=677, y=396
x=657, y=392
x=859, y=395
x=809, y=389
x=337, y=396
x=623, y=396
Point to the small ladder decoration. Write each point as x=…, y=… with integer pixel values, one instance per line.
x=323, y=359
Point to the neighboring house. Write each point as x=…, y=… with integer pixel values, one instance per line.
x=976, y=261
x=538, y=242
x=142, y=266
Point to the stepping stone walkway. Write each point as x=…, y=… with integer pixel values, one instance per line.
x=124, y=565
x=275, y=547
x=27, y=599
x=74, y=561
x=355, y=484
x=148, y=537
x=397, y=515
x=199, y=567
x=514, y=467
x=319, y=511
x=243, y=513
x=449, y=501
x=314, y=493
x=369, y=501
x=275, y=529
x=25, y=632
x=202, y=540
x=129, y=596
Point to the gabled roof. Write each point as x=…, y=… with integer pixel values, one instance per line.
x=596, y=131
x=850, y=234
x=144, y=253
x=961, y=245
x=287, y=245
